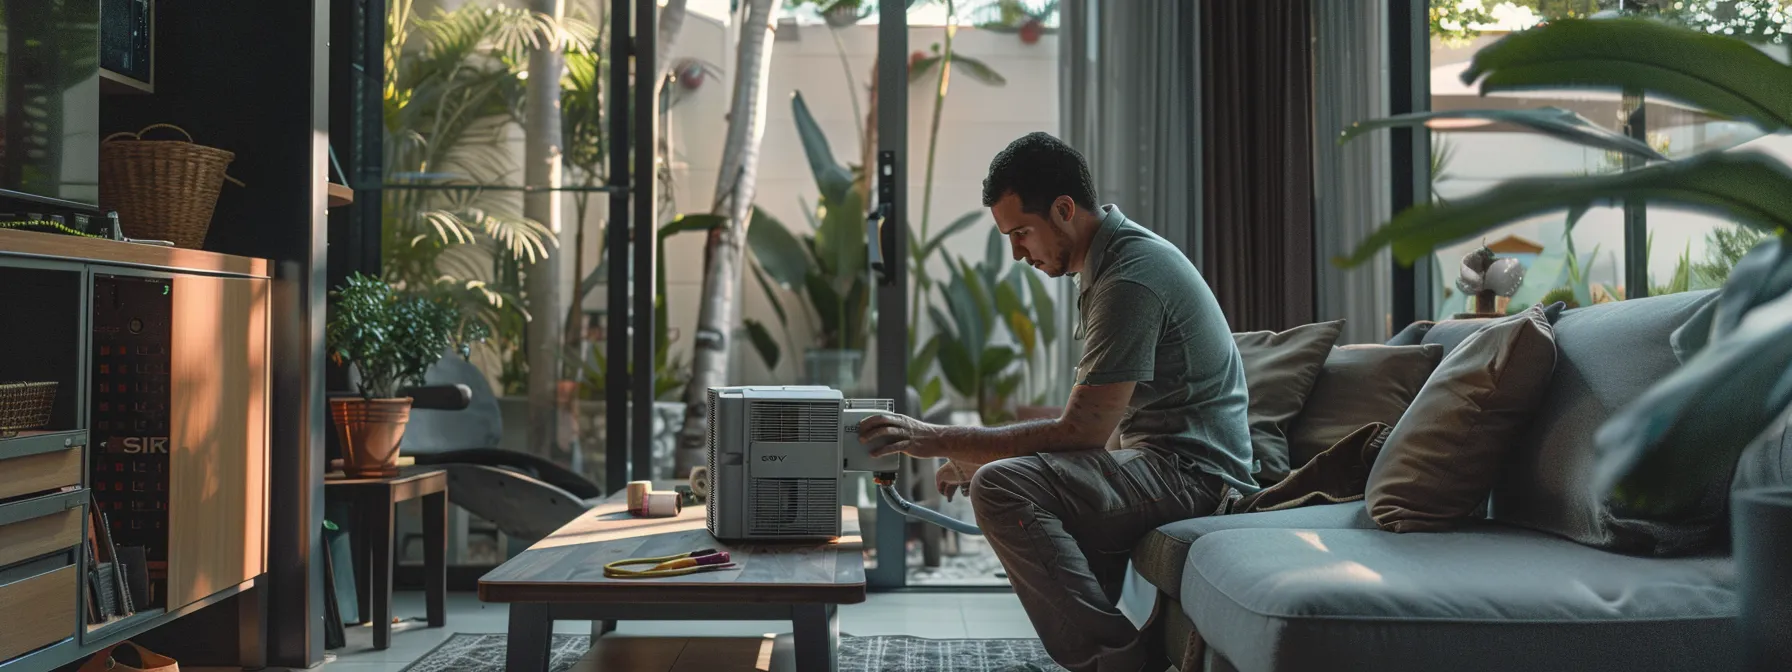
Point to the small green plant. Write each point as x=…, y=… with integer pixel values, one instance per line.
x=391, y=338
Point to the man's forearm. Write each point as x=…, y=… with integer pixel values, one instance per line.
x=988, y=444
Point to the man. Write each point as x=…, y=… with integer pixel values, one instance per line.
x=1160, y=384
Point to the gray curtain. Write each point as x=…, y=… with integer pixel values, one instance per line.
x=1129, y=85
x=1351, y=195
x=1257, y=160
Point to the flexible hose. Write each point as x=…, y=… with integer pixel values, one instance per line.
x=922, y=513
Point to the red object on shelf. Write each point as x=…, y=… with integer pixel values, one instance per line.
x=1031, y=30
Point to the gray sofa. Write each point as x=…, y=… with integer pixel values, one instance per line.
x=1531, y=587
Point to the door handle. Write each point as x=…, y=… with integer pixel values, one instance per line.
x=881, y=224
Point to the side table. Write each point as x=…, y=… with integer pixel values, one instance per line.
x=373, y=501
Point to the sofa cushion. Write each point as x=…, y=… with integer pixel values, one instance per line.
x=1447, y=450
x=1359, y=384
x=1161, y=556
x=1279, y=371
x=1608, y=354
x=1491, y=597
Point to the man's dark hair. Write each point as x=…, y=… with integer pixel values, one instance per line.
x=1039, y=168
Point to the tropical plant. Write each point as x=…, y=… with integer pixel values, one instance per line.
x=980, y=302
x=1724, y=247
x=391, y=338
x=669, y=373
x=447, y=105
x=723, y=253
x=1686, y=432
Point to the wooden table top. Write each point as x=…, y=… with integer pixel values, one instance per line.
x=568, y=566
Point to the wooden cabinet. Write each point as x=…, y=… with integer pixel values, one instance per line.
x=157, y=442
x=218, y=435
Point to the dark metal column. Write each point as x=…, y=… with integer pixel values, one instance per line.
x=616, y=376
x=892, y=297
x=646, y=235
x=1636, y=213
x=1409, y=90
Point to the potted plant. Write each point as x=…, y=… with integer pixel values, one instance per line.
x=828, y=267
x=389, y=339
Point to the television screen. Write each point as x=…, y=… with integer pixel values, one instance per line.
x=50, y=100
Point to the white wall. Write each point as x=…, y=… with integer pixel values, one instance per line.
x=977, y=121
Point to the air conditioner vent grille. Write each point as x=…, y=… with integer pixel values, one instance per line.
x=888, y=405
x=794, y=421
x=795, y=507
x=715, y=476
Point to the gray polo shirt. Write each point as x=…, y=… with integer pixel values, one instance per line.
x=1148, y=317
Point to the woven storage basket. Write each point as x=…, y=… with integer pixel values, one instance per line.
x=162, y=189
x=25, y=406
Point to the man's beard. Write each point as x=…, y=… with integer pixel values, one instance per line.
x=1063, y=265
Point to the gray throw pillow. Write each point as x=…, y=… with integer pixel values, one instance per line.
x=1359, y=384
x=1448, y=449
x=1279, y=370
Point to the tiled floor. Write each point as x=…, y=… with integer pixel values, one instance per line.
x=933, y=615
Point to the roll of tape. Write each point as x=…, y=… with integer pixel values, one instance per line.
x=662, y=505
x=637, y=494
x=700, y=482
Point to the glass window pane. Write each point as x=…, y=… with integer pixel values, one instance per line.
x=1469, y=157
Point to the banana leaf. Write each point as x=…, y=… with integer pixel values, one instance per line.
x=1012, y=313
x=1750, y=188
x=1551, y=121
x=995, y=359
x=995, y=251
x=1687, y=430
x=776, y=250
x=930, y=394
x=923, y=360
x=925, y=249
x=840, y=241
x=1043, y=306
x=979, y=70
x=763, y=342
x=830, y=176
x=826, y=302
x=1717, y=73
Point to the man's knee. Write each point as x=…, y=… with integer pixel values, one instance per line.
x=1004, y=481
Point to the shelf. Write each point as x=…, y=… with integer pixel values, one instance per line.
x=35, y=442
x=340, y=194
x=114, y=83
x=100, y=629
x=94, y=250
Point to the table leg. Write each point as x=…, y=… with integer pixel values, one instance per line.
x=361, y=547
x=435, y=557
x=531, y=631
x=817, y=633
x=378, y=521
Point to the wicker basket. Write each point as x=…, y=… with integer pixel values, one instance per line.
x=162, y=189
x=25, y=406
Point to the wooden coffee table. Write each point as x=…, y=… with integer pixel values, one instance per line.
x=562, y=578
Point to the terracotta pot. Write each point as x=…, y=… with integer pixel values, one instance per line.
x=369, y=431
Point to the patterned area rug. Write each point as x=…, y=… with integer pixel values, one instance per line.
x=485, y=653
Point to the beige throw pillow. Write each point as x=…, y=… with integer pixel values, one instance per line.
x=1448, y=449
x=1279, y=371
x=1359, y=385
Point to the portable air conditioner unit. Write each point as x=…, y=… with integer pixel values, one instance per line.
x=776, y=455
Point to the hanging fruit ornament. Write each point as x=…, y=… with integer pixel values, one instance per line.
x=1031, y=30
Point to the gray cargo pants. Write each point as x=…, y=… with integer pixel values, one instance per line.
x=1064, y=525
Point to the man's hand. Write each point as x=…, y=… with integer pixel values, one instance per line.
x=955, y=476
x=887, y=434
